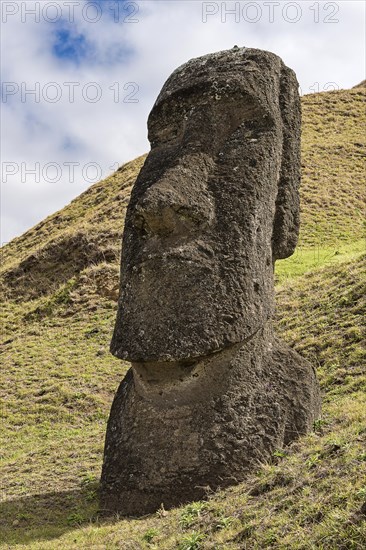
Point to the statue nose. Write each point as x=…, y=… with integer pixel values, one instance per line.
x=163, y=210
x=160, y=210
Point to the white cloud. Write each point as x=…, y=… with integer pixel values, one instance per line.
x=145, y=52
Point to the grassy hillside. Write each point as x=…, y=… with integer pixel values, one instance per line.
x=333, y=163
x=60, y=283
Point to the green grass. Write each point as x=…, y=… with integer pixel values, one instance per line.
x=308, y=259
x=58, y=378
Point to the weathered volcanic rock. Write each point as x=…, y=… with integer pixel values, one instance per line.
x=211, y=391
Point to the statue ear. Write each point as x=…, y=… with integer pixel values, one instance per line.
x=287, y=214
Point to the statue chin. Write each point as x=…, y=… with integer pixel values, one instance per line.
x=166, y=352
x=176, y=311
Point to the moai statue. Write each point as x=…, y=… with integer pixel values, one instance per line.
x=211, y=390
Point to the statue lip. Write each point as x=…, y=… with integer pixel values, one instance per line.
x=197, y=253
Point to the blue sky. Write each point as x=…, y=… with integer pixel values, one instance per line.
x=71, y=46
x=77, y=91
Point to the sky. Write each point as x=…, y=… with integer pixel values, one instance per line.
x=79, y=78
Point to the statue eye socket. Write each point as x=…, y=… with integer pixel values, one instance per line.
x=160, y=134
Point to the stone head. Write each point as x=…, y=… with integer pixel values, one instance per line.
x=215, y=204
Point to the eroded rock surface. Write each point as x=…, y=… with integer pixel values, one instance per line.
x=211, y=391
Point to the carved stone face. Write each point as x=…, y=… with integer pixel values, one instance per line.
x=212, y=208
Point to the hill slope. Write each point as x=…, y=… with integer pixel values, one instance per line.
x=59, y=379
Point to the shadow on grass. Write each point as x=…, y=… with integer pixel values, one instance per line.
x=48, y=516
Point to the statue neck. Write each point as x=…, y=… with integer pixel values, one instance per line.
x=180, y=382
